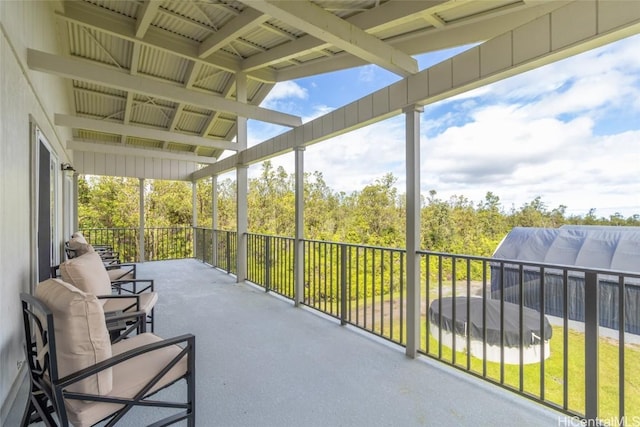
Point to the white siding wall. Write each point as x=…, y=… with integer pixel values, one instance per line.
x=132, y=167
x=25, y=96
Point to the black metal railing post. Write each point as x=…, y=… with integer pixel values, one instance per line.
x=591, y=320
x=343, y=284
x=267, y=263
x=228, y=252
x=622, y=324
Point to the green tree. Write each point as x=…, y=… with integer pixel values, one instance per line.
x=271, y=202
x=108, y=202
x=168, y=203
x=321, y=207
x=378, y=219
x=226, y=204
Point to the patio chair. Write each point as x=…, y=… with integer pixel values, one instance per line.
x=88, y=274
x=78, y=245
x=118, y=272
x=78, y=377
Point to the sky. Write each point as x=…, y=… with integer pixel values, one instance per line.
x=568, y=133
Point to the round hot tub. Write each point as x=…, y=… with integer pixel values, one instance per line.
x=483, y=319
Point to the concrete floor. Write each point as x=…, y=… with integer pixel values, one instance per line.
x=263, y=362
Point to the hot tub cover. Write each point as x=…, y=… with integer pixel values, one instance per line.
x=531, y=320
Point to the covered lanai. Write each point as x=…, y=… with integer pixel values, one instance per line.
x=160, y=89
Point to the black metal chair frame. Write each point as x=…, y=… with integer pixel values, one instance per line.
x=48, y=391
x=120, y=288
x=106, y=252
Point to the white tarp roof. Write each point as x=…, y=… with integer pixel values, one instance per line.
x=612, y=248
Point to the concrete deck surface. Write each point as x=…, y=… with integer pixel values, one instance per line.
x=262, y=362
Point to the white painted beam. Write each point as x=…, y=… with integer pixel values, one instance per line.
x=246, y=21
x=101, y=147
x=326, y=26
x=117, y=25
x=139, y=131
x=84, y=70
x=145, y=16
x=462, y=32
x=434, y=20
x=215, y=115
x=390, y=13
x=569, y=30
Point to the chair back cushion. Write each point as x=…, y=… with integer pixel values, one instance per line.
x=79, y=237
x=80, y=332
x=87, y=273
x=79, y=245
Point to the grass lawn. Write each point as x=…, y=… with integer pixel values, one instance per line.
x=554, y=377
x=384, y=319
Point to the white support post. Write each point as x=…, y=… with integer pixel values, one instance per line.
x=74, y=207
x=214, y=220
x=412, y=119
x=194, y=215
x=141, y=228
x=242, y=221
x=298, y=273
x=242, y=184
x=241, y=122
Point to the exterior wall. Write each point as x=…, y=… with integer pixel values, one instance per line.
x=26, y=98
x=132, y=167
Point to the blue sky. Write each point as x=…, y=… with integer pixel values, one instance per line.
x=568, y=132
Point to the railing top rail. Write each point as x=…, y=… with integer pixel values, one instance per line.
x=550, y=266
x=180, y=227
x=271, y=235
x=356, y=245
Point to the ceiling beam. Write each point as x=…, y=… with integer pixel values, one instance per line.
x=241, y=24
x=139, y=131
x=474, y=29
x=100, y=19
x=326, y=26
x=145, y=16
x=215, y=115
x=388, y=14
x=79, y=69
x=101, y=147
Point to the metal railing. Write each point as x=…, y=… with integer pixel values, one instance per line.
x=270, y=263
x=160, y=243
x=582, y=368
x=480, y=315
x=363, y=286
x=217, y=248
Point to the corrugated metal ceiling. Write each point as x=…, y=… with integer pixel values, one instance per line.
x=145, y=37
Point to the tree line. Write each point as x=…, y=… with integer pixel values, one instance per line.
x=372, y=216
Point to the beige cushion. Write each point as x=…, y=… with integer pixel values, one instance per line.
x=80, y=333
x=147, y=301
x=120, y=273
x=79, y=237
x=79, y=245
x=82, y=248
x=129, y=378
x=87, y=273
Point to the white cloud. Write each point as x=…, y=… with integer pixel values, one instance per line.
x=354, y=160
x=283, y=96
x=287, y=89
x=367, y=73
x=544, y=133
